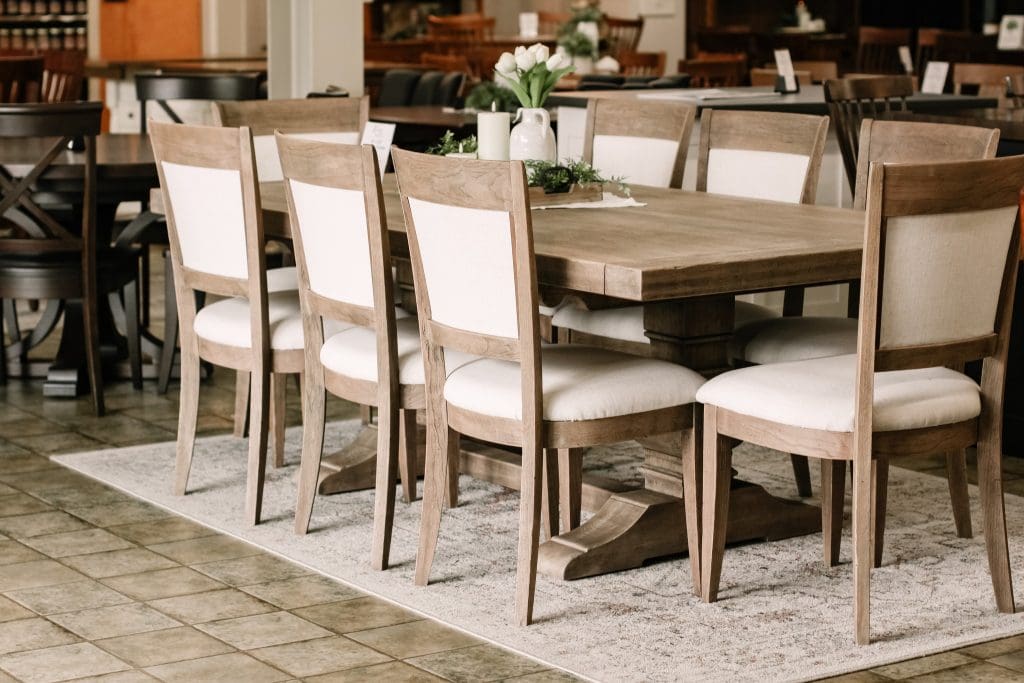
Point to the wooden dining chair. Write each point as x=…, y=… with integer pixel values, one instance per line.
x=796, y=338
x=715, y=70
x=929, y=45
x=356, y=348
x=878, y=49
x=820, y=71
x=446, y=63
x=623, y=34
x=851, y=100
x=518, y=393
x=1015, y=89
x=946, y=237
x=21, y=79
x=163, y=87
x=649, y=64
x=987, y=80
x=460, y=29
x=210, y=186
x=550, y=23
x=63, y=76
x=54, y=250
x=767, y=76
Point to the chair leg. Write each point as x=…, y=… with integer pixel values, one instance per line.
x=570, y=487
x=435, y=488
x=880, y=490
x=863, y=476
x=692, y=499
x=833, y=487
x=93, y=363
x=314, y=399
x=131, y=305
x=241, y=415
x=384, y=497
x=802, y=475
x=529, y=532
x=990, y=486
x=408, y=453
x=549, y=501
x=717, y=456
x=188, y=413
x=278, y=384
x=956, y=472
x=259, y=406
x=3, y=347
x=170, y=330
x=451, y=496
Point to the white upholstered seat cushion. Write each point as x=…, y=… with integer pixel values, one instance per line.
x=353, y=353
x=282, y=279
x=579, y=383
x=819, y=394
x=781, y=340
x=748, y=312
x=227, y=322
x=627, y=323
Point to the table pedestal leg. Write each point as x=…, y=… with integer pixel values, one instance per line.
x=354, y=468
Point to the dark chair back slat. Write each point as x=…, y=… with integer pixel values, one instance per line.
x=21, y=79
x=164, y=87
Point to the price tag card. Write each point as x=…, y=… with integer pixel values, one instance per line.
x=906, y=59
x=934, y=80
x=380, y=136
x=1011, y=32
x=784, y=63
x=529, y=24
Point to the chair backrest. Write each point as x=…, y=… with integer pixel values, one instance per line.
x=397, y=86
x=461, y=28
x=939, y=268
x=715, y=70
x=851, y=100
x=164, y=87
x=63, y=75
x=820, y=71
x=445, y=62
x=471, y=246
x=326, y=119
x=914, y=142
x=768, y=75
x=878, y=49
x=643, y=141
x=449, y=89
x=1015, y=89
x=59, y=124
x=989, y=79
x=21, y=79
x=548, y=23
x=930, y=42
x=623, y=34
x=426, y=88
x=211, y=197
x=642, y=63
x=340, y=234
x=761, y=155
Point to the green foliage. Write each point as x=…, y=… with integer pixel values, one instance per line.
x=489, y=92
x=449, y=145
x=560, y=177
x=577, y=44
x=534, y=85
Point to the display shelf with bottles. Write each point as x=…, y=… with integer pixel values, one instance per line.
x=43, y=24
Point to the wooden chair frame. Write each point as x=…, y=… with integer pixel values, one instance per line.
x=229, y=149
x=642, y=64
x=623, y=34
x=1015, y=89
x=500, y=187
x=991, y=79
x=710, y=70
x=21, y=79
x=641, y=119
x=877, y=49
x=893, y=190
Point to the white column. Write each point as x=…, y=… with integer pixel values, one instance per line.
x=313, y=44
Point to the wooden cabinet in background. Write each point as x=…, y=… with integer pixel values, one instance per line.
x=151, y=29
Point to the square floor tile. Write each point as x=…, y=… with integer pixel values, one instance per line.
x=323, y=655
x=29, y=425
x=89, y=495
x=413, y=639
x=48, y=444
x=68, y=597
x=479, y=663
x=127, y=512
x=111, y=622
x=32, y=634
x=161, y=531
x=35, y=573
x=39, y=524
x=392, y=672
x=10, y=610
x=119, y=677
x=118, y=562
x=550, y=676
x=51, y=478
x=212, y=606
x=978, y=672
x=923, y=665
x=163, y=583
x=302, y=592
x=254, y=569
x=12, y=552
x=163, y=647
x=21, y=504
x=1011, y=660
x=206, y=549
x=230, y=667
x=61, y=663
x=356, y=615
x=77, y=543
x=263, y=630
x=994, y=648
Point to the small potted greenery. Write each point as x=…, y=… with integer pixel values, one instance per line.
x=570, y=182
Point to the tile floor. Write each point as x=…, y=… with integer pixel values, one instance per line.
x=95, y=585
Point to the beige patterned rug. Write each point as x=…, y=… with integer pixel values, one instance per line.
x=781, y=614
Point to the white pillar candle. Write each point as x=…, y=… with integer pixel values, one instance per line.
x=492, y=134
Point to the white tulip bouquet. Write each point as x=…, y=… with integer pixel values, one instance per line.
x=532, y=72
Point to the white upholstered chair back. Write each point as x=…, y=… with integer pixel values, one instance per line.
x=761, y=155
x=946, y=245
x=642, y=142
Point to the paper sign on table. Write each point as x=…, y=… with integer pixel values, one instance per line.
x=784, y=63
x=1011, y=32
x=529, y=24
x=906, y=59
x=934, y=80
x=380, y=136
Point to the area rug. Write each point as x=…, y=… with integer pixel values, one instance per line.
x=781, y=616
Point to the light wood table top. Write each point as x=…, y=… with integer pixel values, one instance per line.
x=681, y=245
